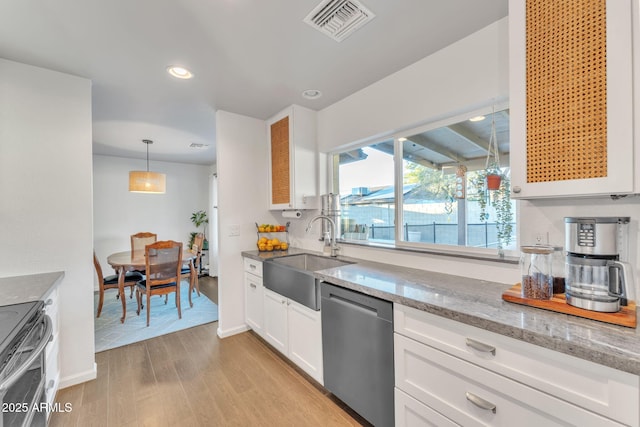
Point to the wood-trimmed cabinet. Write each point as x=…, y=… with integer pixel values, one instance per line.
x=618, y=177
x=293, y=159
x=449, y=371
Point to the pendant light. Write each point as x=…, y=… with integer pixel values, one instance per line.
x=146, y=181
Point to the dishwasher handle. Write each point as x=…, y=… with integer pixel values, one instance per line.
x=365, y=303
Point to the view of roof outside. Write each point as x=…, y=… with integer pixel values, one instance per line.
x=430, y=211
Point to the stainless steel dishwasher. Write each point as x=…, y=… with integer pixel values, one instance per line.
x=357, y=341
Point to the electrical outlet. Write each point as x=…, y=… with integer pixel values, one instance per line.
x=234, y=230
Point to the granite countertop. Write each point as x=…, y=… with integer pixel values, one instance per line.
x=479, y=303
x=31, y=287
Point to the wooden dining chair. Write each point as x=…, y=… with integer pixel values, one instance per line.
x=192, y=274
x=140, y=240
x=111, y=282
x=163, y=262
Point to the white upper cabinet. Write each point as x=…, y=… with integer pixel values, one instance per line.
x=571, y=98
x=293, y=159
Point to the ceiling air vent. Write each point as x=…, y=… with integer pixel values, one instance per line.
x=198, y=146
x=339, y=18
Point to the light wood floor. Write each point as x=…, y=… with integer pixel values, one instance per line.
x=192, y=378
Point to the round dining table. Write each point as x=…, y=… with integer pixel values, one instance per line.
x=135, y=260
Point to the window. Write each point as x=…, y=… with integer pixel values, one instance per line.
x=440, y=195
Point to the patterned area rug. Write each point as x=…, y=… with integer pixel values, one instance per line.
x=110, y=333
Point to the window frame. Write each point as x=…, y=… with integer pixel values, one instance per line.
x=399, y=242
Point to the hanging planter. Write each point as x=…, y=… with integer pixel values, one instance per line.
x=492, y=165
x=493, y=181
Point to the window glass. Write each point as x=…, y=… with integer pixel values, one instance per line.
x=444, y=199
x=367, y=192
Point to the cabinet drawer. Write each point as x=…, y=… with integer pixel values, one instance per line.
x=473, y=396
x=252, y=266
x=609, y=392
x=410, y=412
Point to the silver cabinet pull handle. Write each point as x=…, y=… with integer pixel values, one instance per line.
x=253, y=285
x=480, y=402
x=252, y=266
x=477, y=345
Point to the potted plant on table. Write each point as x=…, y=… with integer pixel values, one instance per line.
x=199, y=219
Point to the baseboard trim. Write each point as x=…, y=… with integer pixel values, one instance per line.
x=233, y=331
x=80, y=377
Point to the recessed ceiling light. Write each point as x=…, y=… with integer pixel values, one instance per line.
x=477, y=119
x=402, y=139
x=179, y=72
x=312, y=94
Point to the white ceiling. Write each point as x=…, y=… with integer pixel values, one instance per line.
x=251, y=57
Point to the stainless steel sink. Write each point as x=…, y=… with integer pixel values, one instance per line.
x=292, y=276
x=310, y=262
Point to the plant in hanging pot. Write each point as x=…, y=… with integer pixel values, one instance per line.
x=499, y=200
x=494, y=178
x=493, y=172
x=493, y=188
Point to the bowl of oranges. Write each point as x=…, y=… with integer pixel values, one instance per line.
x=268, y=245
x=271, y=228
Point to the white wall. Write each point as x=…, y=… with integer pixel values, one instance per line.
x=118, y=213
x=45, y=188
x=242, y=161
x=468, y=74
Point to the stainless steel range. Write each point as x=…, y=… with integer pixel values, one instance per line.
x=24, y=333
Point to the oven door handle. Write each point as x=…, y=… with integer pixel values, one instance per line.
x=11, y=379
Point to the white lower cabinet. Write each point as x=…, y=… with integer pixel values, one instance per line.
x=254, y=296
x=275, y=321
x=449, y=373
x=254, y=303
x=295, y=331
x=305, y=339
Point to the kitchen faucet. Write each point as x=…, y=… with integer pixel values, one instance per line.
x=332, y=234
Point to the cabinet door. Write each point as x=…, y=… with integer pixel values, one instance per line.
x=281, y=158
x=275, y=321
x=571, y=99
x=305, y=339
x=293, y=159
x=254, y=303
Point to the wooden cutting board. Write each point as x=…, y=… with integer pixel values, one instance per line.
x=625, y=317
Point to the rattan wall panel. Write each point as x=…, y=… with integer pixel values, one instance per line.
x=566, y=76
x=280, y=172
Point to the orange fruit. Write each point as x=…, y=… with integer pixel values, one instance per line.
x=269, y=247
x=284, y=246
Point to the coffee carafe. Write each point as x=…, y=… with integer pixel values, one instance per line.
x=596, y=278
